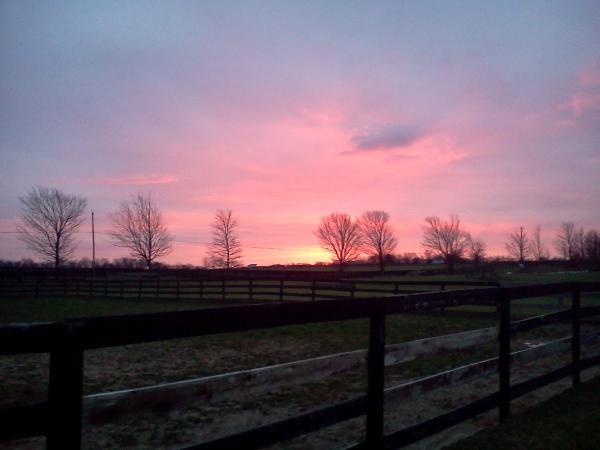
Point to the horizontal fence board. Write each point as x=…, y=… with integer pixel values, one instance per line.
x=442, y=422
x=537, y=290
x=289, y=428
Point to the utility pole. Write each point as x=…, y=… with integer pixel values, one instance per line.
x=93, y=244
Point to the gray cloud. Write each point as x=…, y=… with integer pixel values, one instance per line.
x=387, y=137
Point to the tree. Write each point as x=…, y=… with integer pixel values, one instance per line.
x=592, y=245
x=225, y=249
x=580, y=244
x=377, y=235
x=340, y=235
x=49, y=220
x=537, y=247
x=445, y=238
x=476, y=250
x=518, y=245
x=139, y=227
x=566, y=242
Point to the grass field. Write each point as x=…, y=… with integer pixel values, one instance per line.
x=23, y=378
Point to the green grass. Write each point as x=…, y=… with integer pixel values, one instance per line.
x=48, y=309
x=568, y=421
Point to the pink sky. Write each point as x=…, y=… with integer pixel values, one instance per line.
x=285, y=113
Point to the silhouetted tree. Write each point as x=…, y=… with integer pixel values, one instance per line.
x=592, y=245
x=580, y=244
x=340, y=235
x=139, y=227
x=225, y=249
x=536, y=246
x=377, y=235
x=518, y=245
x=49, y=220
x=566, y=242
x=476, y=250
x=445, y=238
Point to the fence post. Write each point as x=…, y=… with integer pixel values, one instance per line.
x=105, y=287
x=375, y=380
x=64, y=393
x=504, y=355
x=91, y=287
x=140, y=289
x=37, y=288
x=121, y=288
x=201, y=287
x=223, y=289
x=352, y=288
x=280, y=290
x=77, y=288
x=396, y=288
x=313, y=290
x=178, y=291
x=442, y=288
x=576, y=339
x=250, y=290
x=157, y=293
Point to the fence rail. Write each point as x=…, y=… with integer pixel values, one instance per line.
x=60, y=417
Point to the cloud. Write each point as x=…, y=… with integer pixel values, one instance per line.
x=583, y=102
x=387, y=137
x=125, y=180
x=590, y=75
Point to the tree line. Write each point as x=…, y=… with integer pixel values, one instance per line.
x=372, y=234
x=50, y=219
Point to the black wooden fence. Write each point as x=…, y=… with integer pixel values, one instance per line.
x=59, y=418
x=252, y=290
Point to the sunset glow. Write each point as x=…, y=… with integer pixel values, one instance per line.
x=287, y=111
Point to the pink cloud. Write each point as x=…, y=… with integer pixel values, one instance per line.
x=124, y=180
x=590, y=75
x=584, y=101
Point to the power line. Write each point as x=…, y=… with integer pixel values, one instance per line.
x=184, y=241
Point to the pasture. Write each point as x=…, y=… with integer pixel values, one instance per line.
x=24, y=377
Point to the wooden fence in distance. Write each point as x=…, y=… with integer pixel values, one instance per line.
x=252, y=290
x=59, y=418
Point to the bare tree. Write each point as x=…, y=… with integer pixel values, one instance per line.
x=580, y=244
x=340, y=235
x=518, y=245
x=536, y=246
x=476, y=249
x=139, y=227
x=378, y=238
x=445, y=238
x=225, y=249
x=566, y=242
x=592, y=245
x=49, y=220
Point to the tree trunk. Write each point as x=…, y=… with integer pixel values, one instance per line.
x=381, y=264
x=450, y=261
x=56, y=256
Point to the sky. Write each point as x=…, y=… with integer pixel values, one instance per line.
x=287, y=111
